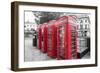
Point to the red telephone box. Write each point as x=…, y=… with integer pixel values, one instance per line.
x=66, y=38
x=44, y=37
x=39, y=36
x=52, y=39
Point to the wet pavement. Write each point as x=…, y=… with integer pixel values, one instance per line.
x=34, y=54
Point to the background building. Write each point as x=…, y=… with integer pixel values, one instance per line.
x=83, y=35
x=30, y=25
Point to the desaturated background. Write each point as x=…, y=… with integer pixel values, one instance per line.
x=5, y=36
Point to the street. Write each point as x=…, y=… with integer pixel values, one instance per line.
x=32, y=53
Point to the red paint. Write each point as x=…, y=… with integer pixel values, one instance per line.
x=39, y=36
x=58, y=38
x=44, y=38
x=64, y=38
x=52, y=39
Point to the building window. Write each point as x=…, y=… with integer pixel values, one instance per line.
x=85, y=26
x=85, y=21
x=81, y=26
x=81, y=21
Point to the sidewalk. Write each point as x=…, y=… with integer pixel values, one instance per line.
x=32, y=53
